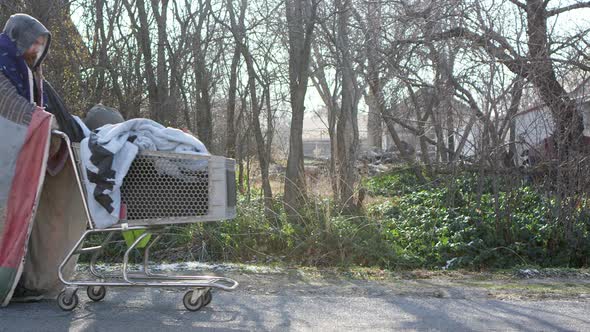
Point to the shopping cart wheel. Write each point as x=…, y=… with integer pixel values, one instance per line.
x=192, y=305
x=207, y=298
x=96, y=293
x=67, y=304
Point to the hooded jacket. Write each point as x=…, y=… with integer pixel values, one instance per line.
x=20, y=32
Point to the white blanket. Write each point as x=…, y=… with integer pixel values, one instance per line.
x=108, y=153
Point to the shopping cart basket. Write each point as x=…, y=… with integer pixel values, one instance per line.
x=160, y=189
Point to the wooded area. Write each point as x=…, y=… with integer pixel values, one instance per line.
x=459, y=76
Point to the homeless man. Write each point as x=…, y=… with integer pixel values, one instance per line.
x=40, y=216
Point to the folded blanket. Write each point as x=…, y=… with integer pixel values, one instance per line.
x=108, y=153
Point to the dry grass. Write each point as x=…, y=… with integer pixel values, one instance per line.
x=317, y=181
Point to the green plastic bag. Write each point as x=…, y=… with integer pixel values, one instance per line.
x=131, y=236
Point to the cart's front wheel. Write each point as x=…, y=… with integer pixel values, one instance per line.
x=96, y=293
x=207, y=298
x=67, y=304
x=192, y=305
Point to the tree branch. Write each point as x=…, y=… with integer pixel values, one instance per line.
x=573, y=63
x=502, y=53
x=558, y=11
x=519, y=4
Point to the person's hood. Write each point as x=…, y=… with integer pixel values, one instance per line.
x=23, y=30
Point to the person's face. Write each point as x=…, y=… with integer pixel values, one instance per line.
x=30, y=55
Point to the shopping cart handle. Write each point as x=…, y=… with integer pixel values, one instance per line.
x=61, y=134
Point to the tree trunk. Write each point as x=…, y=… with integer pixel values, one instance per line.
x=346, y=128
x=568, y=122
x=165, y=114
x=374, y=123
x=230, y=140
x=300, y=23
x=202, y=75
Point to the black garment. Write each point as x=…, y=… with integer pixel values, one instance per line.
x=56, y=106
x=22, y=294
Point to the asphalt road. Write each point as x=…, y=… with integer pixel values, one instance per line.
x=135, y=309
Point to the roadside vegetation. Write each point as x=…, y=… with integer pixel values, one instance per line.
x=465, y=220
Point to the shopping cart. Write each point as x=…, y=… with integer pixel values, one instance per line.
x=160, y=189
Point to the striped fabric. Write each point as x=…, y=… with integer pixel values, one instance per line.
x=14, y=107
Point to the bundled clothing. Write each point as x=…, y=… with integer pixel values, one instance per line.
x=108, y=153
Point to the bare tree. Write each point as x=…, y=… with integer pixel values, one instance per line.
x=347, y=122
x=256, y=101
x=232, y=89
x=329, y=90
x=301, y=19
x=202, y=71
x=158, y=77
x=538, y=65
